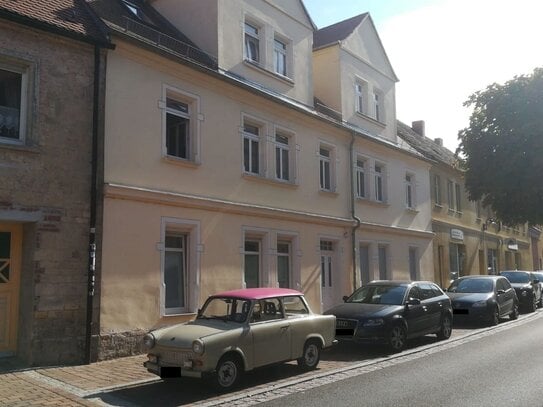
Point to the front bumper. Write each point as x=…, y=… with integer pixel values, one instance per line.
x=171, y=371
x=472, y=314
x=354, y=332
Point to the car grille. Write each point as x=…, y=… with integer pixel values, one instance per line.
x=460, y=308
x=345, y=327
x=175, y=358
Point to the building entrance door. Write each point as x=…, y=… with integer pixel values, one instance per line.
x=10, y=273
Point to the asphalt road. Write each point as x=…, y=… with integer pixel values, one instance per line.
x=504, y=368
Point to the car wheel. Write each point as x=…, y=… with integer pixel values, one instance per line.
x=495, y=318
x=514, y=312
x=540, y=303
x=311, y=356
x=228, y=373
x=446, y=328
x=397, y=338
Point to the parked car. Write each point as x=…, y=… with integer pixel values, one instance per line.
x=527, y=286
x=391, y=312
x=483, y=298
x=237, y=331
x=539, y=275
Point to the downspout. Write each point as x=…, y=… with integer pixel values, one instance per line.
x=93, y=209
x=353, y=212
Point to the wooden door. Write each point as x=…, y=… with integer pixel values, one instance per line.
x=10, y=274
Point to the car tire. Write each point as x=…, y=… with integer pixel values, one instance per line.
x=514, y=312
x=540, y=303
x=311, y=356
x=228, y=374
x=533, y=305
x=445, y=330
x=397, y=338
x=495, y=317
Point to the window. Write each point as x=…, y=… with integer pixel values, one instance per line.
x=458, y=197
x=450, y=195
x=379, y=183
x=383, y=269
x=180, y=263
x=252, y=43
x=413, y=264
x=282, y=157
x=12, y=106
x=280, y=57
x=361, y=189
x=409, y=191
x=437, y=190
x=252, y=263
x=364, y=264
x=180, y=125
x=251, y=142
x=325, y=175
x=284, y=264
x=137, y=12
x=177, y=129
x=175, y=270
x=378, y=110
x=361, y=91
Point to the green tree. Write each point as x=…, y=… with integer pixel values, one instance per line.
x=502, y=149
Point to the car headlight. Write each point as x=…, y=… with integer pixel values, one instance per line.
x=479, y=304
x=374, y=322
x=198, y=347
x=149, y=341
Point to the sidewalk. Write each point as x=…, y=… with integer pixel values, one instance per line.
x=69, y=385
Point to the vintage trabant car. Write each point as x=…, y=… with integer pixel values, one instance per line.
x=237, y=331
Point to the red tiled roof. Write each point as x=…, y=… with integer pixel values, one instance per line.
x=70, y=16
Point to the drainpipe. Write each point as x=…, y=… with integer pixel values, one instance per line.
x=353, y=212
x=93, y=209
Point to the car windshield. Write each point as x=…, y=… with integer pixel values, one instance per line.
x=514, y=277
x=379, y=294
x=226, y=309
x=471, y=285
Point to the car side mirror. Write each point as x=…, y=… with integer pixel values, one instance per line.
x=499, y=292
x=412, y=301
x=345, y=298
x=536, y=281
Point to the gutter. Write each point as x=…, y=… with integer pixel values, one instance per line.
x=91, y=275
x=353, y=211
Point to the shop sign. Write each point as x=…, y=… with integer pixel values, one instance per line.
x=512, y=244
x=457, y=234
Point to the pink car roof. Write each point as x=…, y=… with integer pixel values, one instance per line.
x=258, y=293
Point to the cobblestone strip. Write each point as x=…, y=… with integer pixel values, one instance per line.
x=331, y=376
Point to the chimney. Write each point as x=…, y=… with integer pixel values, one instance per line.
x=439, y=141
x=418, y=127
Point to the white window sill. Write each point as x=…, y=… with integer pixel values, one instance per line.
x=272, y=181
x=412, y=210
x=328, y=192
x=260, y=68
x=182, y=162
x=372, y=202
x=20, y=147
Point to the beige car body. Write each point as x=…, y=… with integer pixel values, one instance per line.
x=257, y=344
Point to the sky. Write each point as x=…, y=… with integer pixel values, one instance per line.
x=444, y=50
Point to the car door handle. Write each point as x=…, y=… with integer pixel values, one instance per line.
x=284, y=328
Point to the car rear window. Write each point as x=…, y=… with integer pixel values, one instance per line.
x=515, y=277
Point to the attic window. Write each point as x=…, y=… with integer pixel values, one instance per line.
x=137, y=12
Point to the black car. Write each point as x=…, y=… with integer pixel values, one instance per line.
x=527, y=286
x=483, y=299
x=390, y=312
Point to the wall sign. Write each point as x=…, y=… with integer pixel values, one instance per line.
x=457, y=234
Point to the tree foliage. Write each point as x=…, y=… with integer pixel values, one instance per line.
x=502, y=149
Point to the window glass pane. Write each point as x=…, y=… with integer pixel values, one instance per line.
x=251, y=270
x=254, y=156
x=175, y=242
x=382, y=263
x=176, y=105
x=252, y=246
x=284, y=166
x=246, y=154
x=251, y=29
x=174, y=279
x=283, y=271
x=177, y=136
x=326, y=245
x=281, y=139
x=364, y=264
x=249, y=128
x=324, y=152
x=10, y=104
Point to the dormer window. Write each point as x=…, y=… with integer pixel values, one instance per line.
x=137, y=12
x=378, y=109
x=361, y=92
x=252, y=43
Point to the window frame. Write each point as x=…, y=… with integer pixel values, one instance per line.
x=24, y=71
x=288, y=256
x=282, y=53
x=290, y=149
x=437, y=189
x=410, y=191
x=379, y=184
x=327, y=162
x=255, y=38
x=193, y=116
x=361, y=178
x=361, y=88
x=190, y=229
x=253, y=138
x=378, y=109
